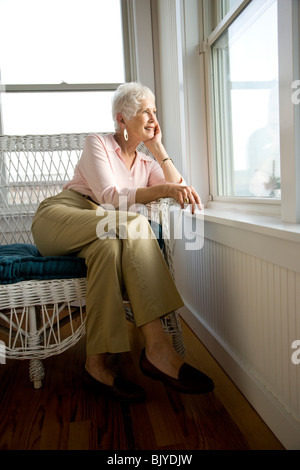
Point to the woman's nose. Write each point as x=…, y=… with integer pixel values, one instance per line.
x=152, y=117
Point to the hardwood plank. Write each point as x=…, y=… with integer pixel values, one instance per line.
x=56, y=423
x=79, y=435
x=164, y=423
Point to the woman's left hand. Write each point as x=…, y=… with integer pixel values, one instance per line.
x=184, y=195
x=154, y=143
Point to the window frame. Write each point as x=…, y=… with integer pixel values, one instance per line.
x=288, y=207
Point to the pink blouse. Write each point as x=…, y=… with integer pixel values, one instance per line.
x=101, y=172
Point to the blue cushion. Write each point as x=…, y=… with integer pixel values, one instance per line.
x=23, y=262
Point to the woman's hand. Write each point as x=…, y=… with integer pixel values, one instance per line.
x=154, y=143
x=184, y=195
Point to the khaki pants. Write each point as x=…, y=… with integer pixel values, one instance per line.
x=68, y=224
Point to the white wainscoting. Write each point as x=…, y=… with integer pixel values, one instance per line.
x=246, y=310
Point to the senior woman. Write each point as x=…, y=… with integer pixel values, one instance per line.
x=111, y=171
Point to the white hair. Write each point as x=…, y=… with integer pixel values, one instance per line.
x=127, y=100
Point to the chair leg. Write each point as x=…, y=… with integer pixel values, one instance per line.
x=36, y=368
x=172, y=326
x=178, y=343
x=36, y=372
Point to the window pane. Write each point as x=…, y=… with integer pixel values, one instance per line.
x=217, y=9
x=245, y=69
x=73, y=41
x=56, y=113
x=227, y=5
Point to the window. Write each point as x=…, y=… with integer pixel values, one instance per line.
x=60, y=63
x=245, y=70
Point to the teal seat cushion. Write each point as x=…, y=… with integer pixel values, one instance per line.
x=23, y=262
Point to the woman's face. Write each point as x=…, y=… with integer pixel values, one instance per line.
x=142, y=126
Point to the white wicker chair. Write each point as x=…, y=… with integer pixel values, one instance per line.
x=42, y=318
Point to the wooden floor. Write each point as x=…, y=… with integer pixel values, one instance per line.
x=63, y=416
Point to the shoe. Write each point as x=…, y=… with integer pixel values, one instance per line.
x=190, y=380
x=122, y=389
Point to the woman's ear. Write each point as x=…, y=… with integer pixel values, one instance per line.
x=121, y=121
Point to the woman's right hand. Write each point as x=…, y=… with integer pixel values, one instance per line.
x=184, y=195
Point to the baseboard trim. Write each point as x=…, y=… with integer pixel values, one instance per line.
x=281, y=423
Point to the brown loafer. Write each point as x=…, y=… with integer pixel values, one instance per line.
x=190, y=380
x=122, y=389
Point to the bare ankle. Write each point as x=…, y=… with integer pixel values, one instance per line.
x=164, y=357
x=96, y=366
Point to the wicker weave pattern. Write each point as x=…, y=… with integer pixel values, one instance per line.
x=32, y=168
x=28, y=293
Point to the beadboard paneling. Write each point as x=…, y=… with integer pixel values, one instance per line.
x=252, y=307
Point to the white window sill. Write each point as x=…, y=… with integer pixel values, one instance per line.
x=258, y=223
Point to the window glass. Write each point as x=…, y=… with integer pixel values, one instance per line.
x=49, y=43
x=56, y=41
x=218, y=9
x=245, y=76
